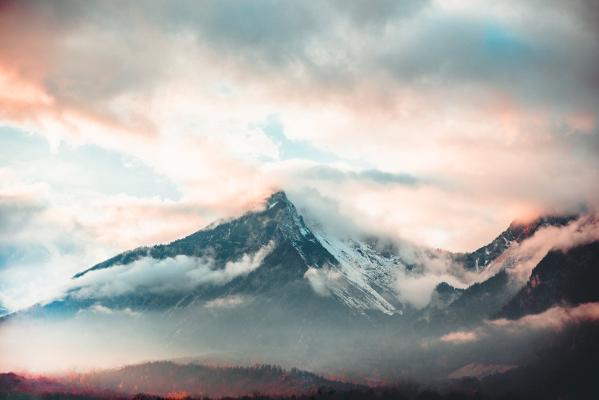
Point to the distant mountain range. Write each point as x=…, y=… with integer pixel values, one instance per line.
x=172, y=379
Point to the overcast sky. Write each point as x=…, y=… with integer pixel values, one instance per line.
x=131, y=123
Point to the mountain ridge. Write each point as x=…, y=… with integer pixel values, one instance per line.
x=356, y=273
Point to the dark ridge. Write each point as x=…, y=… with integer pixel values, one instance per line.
x=567, y=278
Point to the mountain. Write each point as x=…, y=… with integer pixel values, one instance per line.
x=271, y=254
x=293, y=261
x=278, y=221
x=466, y=307
x=515, y=233
x=563, y=366
x=561, y=278
x=270, y=287
x=451, y=308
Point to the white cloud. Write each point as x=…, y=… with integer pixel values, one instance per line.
x=179, y=273
x=232, y=301
x=417, y=288
x=324, y=281
x=102, y=309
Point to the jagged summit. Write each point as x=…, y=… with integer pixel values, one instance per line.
x=278, y=221
x=276, y=197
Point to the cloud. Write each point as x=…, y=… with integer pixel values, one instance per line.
x=19, y=204
x=101, y=309
x=460, y=337
x=426, y=268
x=417, y=288
x=173, y=274
x=438, y=121
x=370, y=175
x=555, y=318
x=232, y=301
x=324, y=281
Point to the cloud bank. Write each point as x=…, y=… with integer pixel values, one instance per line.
x=173, y=274
x=439, y=121
x=553, y=319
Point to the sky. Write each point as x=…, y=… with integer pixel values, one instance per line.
x=129, y=123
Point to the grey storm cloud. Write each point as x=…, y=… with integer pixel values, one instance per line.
x=329, y=44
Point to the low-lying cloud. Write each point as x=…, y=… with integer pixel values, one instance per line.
x=460, y=337
x=173, y=274
x=553, y=319
x=324, y=281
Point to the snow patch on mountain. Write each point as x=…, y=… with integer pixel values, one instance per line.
x=368, y=275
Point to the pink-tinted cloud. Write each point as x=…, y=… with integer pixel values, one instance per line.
x=520, y=259
x=460, y=337
x=555, y=318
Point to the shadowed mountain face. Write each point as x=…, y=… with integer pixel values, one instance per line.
x=564, y=278
x=469, y=306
